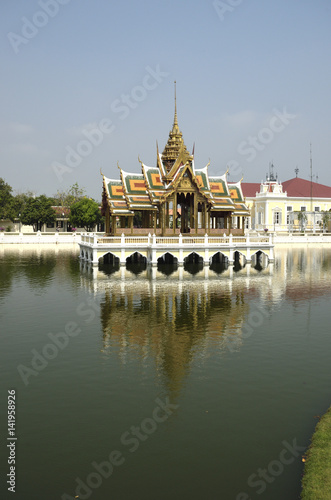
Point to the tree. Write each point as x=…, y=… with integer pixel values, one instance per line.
x=6, y=198
x=17, y=205
x=70, y=196
x=85, y=213
x=302, y=218
x=37, y=211
x=325, y=220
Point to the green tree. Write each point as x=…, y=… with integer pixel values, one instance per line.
x=6, y=198
x=302, y=218
x=38, y=211
x=85, y=213
x=17, y=205
x=325, y=220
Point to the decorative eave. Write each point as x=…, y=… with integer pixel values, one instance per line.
x=178, y=177
x=238, y=198
x=154, y=184
x=202, y=174
x=159, y=163
x=182, y=158
x=117, y=204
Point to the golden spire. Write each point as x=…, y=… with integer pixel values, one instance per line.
x=175, y=118
x=175, y=143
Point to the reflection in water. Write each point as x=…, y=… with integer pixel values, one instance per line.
x=166, y=269
x=237, y=266
x=174, y=321
x=37, y=264
x=106, y=269
x=258, y=267
x=193, y=267
x=240, y=353
x=219, y=267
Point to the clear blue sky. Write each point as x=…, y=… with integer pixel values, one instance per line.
x=72, y=64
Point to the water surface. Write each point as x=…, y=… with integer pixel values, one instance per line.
x=241, y=357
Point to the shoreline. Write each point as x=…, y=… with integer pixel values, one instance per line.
x=316, y=482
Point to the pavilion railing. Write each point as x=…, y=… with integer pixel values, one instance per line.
x=128, y=240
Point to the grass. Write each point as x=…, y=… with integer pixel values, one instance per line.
x=316, y=482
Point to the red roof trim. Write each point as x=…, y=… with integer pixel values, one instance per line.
x=295, y=188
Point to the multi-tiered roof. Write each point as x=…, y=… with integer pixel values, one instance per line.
x=150, y=188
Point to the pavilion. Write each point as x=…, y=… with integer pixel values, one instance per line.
x=173, y=197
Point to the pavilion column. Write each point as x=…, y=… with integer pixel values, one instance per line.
x=182, y=214
x=107, y=221
x=174, y=213
x=167, y=215
x=113, y=223
x=162, y=218
x=196, y=214
x=131, y=224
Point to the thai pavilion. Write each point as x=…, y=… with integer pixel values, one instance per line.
x=173, y=197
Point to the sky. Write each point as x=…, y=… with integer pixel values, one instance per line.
x=88, y=85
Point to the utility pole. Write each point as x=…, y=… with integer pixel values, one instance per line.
x=311, y=180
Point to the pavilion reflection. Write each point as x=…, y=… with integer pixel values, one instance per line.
x=175, y=319
x=171, y=324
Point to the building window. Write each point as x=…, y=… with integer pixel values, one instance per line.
x=303, y=209
x=277, y=217
x=50, y=225
x=317, y=209
x=288, y=217
x=259, y=218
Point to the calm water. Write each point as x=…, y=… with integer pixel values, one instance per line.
x=194, y=386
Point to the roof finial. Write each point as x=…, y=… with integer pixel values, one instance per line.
x=175, y=119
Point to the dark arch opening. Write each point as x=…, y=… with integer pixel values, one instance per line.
x=109, y=264
x=219, y=263
x=167, y=264
x=258, y=260
x=193, y=263
x=136, y=263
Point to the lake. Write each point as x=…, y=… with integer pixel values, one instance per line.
x=141, y=384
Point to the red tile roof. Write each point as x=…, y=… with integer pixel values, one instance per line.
x=250, y=188
x=302, y=188
x=296, y=187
